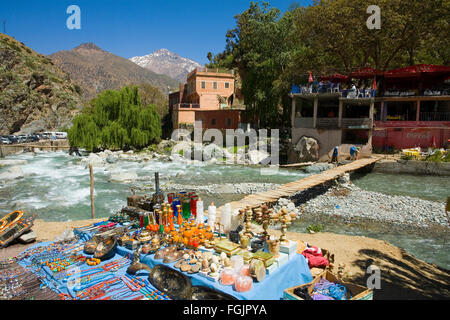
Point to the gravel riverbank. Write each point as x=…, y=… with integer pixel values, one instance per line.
x=348, y=201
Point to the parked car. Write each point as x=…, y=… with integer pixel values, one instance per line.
x=22, y=138
x=34, y=138
x=5, y=140
x=61, y=135
x=13, y=139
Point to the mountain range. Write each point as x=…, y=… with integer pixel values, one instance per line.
x=41, y=93
x=163, y=61
x=96, y=70
x=35, y=94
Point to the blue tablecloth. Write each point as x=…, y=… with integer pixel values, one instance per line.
x=294, y=272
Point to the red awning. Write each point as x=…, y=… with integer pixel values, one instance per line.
x=418, y=70
x=335, y=78
x=366, y=73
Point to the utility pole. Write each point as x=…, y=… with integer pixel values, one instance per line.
x=4, y=26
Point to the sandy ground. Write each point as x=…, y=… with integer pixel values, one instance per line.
x=403, y=276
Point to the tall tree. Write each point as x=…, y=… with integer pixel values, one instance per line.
x=116, y=120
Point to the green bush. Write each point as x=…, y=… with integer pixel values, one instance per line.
x=116, y=120
x=314, y=227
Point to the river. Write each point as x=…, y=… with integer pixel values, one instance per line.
x=55, y=186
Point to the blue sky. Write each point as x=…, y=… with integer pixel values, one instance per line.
x=128, y=27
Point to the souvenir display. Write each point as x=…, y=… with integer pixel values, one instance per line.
x=243, y=283
x=266, y=257
x=274, y=247
x=257, y=270
x=14, y=226
x=172, y=236
x=106, y=249
x=176, y=285
x=136, y=264
x=237, y=262
x=227, y=277
x=245, y=270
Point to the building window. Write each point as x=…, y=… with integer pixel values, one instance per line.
x=214, y=85
x=203, y=84
x=228, y=122
x=227, y=85
x=213, y=121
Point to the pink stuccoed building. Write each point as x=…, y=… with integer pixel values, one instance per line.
x=209, y=96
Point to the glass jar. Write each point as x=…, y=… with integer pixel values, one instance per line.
x=186, y=207
x=194, y=200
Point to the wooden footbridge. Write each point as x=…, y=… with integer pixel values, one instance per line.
x=292, y=188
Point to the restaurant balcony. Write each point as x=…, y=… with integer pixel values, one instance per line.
x=186, y=106
x=360, y=93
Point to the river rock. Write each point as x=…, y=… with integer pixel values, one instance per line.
x=112, y=159
x=212, y=151
x=257, y=156
x=94, y=160
x=12, y=173
x=123, y=176
x=306, y=149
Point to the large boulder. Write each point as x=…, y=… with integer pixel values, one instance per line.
x=12, y=173
x=95, y=160
x=123, y=176
x=306, y=150
x=257, y=156
x=112, y=158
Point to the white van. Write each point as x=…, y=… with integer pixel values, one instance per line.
x=61, y=135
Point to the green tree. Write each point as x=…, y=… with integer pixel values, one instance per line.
x=116, y=120
x=259, y=47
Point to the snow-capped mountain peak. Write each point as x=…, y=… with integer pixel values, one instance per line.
x=164, y=61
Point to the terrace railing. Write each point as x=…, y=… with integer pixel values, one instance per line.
x=327, y=123
x=187, y=105
x=434, y=116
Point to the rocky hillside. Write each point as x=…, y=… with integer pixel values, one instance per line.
x=35, y=95
x=96, y=70
x=163, y=61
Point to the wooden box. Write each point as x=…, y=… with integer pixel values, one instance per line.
x=357, y=292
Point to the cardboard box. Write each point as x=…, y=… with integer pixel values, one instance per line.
x=357, y=292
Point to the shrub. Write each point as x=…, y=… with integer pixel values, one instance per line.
x=314, y=227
